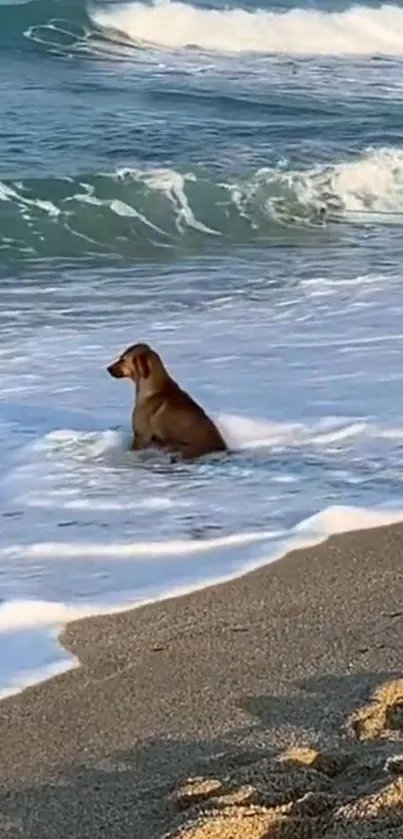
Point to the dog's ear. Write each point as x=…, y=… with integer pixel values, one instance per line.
x=142, y=367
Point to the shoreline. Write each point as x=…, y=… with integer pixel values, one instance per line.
x=209, y=684
x=310, y=532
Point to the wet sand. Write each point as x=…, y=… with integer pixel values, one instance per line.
x=269, y=706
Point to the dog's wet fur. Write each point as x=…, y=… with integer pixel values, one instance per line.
x=164, y=415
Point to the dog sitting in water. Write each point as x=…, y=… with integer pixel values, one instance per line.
x=164, y=416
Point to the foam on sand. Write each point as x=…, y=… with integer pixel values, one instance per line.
x=28, y=635
x=358, y=30
x=29, y=629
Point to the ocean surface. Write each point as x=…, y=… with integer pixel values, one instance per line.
x=224, y=182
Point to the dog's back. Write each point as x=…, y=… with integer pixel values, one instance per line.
x=179, y=423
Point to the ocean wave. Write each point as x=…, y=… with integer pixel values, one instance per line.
x=358, y=30
x=142, y=213
x=99, y=29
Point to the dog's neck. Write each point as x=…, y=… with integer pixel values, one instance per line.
x=158, y=381
x=145, y=388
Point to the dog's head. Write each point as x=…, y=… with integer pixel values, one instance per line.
x=138, y=362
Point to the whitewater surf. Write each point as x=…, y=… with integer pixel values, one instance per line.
x=227, y=184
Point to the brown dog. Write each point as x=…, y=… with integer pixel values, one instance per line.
x=164, y=416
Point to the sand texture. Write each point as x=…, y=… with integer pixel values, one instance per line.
x=352, y=790
x=269, y=706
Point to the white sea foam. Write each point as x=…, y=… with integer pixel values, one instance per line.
x=29, y=650
x=358, y=30
x=86, y=526
x=242, y=433
x=340, y=519
x=372, y=183
x=123, y=550
x=30, y=614
x=29, y=629
x=368, y=186
x=172, y=184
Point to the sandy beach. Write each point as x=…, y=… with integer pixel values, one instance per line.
x=268, y=706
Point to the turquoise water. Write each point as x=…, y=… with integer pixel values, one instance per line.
x=225, y=183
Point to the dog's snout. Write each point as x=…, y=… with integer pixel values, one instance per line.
x=115, y=370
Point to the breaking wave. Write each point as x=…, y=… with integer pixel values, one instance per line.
x=358, y=30
x=103, y=29
x=139, y=213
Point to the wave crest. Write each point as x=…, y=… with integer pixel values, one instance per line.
x=114, y=30
x=140, y=213
x=358, y=30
